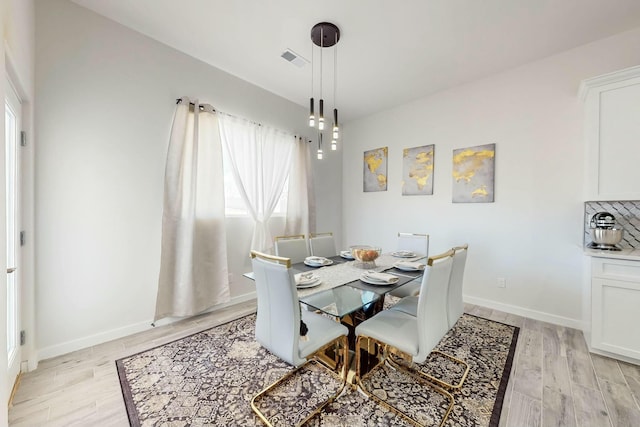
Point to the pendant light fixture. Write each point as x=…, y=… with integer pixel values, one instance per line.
x=312, y=116
x=335, y=130
x=319, y=145
x=324, y=35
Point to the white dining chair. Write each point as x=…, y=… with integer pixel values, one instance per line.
x=455, y=304
x=279, y=323
x=418, y=244
x=415, y=336
x=414, y=242
x=295, y=247
x=322, y=244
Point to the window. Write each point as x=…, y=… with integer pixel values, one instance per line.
x=234, y=204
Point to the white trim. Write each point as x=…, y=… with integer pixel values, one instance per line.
x=521, y=311
x=614, y=77
x=614, y=355
x=14, y=74
x=234, y=301
x=74, y=345
x=91, y=340
x=18, y=81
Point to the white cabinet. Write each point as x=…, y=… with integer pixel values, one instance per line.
x=612, y=132
x=615, y=306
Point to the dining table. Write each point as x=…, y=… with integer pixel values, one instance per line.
x=341, y=291
x=344, y=278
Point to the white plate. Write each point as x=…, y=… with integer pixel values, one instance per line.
x=403, y=254
x=367, y=279
x=315, y=264
x=313, y=284
x=346, y=255
x=406, y=267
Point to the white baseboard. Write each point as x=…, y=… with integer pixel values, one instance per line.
x=88, y=341
x=91, y=340
x=525, y=312
x=627, y=359
x=81, y=343
x=234, y=301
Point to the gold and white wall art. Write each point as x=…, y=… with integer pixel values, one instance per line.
x=474, y=174
x=375, y=170
x=417, y=170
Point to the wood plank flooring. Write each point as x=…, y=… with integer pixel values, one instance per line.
x=555, y=381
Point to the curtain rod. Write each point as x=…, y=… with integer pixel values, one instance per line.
x=201, y=107
x=179, y=100
x=192, y=104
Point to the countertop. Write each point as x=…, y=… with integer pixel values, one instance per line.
x=629, y=254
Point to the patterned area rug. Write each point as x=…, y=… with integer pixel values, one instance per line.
x=209, y=378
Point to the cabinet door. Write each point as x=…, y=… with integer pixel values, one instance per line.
x=612, y=131
x=619, y=141
x=615, y=316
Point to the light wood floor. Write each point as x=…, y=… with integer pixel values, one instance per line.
x=555, y=380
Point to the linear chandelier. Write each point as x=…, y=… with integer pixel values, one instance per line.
x=324, y=35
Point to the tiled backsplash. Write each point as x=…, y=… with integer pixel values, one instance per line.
x=627, y=214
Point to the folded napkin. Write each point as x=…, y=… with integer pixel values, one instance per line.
x=404, y=253
x=381, y=277
x=417, y=265
x=305, y=278
x=316, y=259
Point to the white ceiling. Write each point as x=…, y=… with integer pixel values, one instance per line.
x=389, y=53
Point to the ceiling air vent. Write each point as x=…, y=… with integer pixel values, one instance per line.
x=294, y=58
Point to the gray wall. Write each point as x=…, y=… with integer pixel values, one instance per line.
x=532, y=235
x=106, y=97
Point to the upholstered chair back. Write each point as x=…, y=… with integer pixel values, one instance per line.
x=432, y=305
x=455, y=305
x=278, y=317
x=322, y=245
x=417, y=243
x=295, y=248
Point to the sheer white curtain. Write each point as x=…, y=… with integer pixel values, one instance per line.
x=260, y=158
x=193, y=265
x=301, y=212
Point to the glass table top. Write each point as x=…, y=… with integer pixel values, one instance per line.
x=346, y=299
x=341, y=301
x=341, y=292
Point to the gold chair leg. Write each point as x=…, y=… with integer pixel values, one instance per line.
x=436, y=380
x=459, y=361
x=343, y=376
x=414, y=375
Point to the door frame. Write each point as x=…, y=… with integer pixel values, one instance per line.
x=15, y=360
x=27, y=195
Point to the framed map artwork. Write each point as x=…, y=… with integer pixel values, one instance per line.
x=417, y=170
x=375, y=170
x=474, y=174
